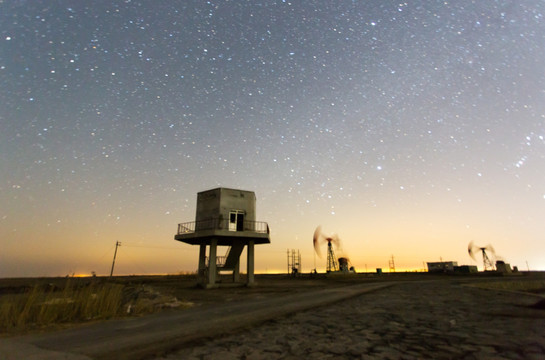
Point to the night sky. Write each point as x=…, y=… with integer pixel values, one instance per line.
x=408, y=128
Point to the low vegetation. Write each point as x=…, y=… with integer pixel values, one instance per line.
x=46, y=305
x=41, y=306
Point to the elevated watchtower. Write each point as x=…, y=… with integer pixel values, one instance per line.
x=224, y=217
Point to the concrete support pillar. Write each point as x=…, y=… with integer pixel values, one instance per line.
x=202, y=264
x=250, y=263
x=212, y=270
x=236, y=272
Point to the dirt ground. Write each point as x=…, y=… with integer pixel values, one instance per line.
x=184, y=287
x=167, y=291
x=436, y=319
x=408, y=306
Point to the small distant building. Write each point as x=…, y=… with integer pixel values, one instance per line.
x=503, y=267
x=345, y=266
x=442, y=266
x=466, y=269
x=224, y=217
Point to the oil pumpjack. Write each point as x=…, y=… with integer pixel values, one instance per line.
x=334, y=265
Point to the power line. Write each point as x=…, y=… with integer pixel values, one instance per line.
x=134, y=263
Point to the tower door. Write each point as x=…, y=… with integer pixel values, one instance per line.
x=236, y=220
x=240, y=222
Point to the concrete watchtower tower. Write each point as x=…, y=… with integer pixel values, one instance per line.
x=224, y=217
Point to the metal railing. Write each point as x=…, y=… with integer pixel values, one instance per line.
x=220, y=261
x=217, y=224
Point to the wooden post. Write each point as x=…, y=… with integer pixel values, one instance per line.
x=117, y=244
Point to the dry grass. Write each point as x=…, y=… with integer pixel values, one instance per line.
x=41, y=307
x=28, y=305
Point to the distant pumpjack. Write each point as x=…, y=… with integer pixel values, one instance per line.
x=320, y=237
x=472, y=249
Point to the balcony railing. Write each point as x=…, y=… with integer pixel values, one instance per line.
x=217, y=224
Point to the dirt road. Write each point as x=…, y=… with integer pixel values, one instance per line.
x=136, y=338
x=410, y=320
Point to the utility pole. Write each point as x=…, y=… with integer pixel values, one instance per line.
x=117, y=244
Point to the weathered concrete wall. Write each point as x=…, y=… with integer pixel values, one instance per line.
x=218, y=203
x=208, y=205
x=238, y=200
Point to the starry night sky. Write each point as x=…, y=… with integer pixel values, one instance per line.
x=408, y=128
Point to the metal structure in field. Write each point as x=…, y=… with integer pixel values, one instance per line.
x=294, y=262
x=392, y=264
x=319, y=238
x=473, y=249
x=331, y=262
x=334, y=264
x=224, y=217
